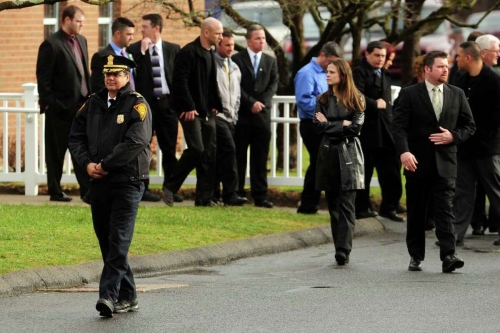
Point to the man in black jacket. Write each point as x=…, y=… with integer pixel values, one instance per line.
x=479, y=157
x=431, y=119
x=110, y=139
x=63, y=85
x=155, y=67
x=376, y=137
x=195, y=97
x=259, y=82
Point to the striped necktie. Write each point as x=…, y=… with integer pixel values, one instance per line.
x=155, y=64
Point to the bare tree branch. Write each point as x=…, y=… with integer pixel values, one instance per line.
x=18, y=4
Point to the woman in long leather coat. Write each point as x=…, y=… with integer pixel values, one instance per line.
x=338, y=119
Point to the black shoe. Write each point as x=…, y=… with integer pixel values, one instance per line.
x=497, y=242
x=415, y=265
x=341, y=258
x=478, y=232
x=264, y=203
x=86, y=199
x=126, y=306
x=168, y=197
x=105, y=307
x=366, y=214
x=150, y=196
x=391, y=215
x=450, y=263
x=493, y=230
x=209, y=203
x=400, y=209
x=178, y=198
x=235, y=201
x=437, y=243
x=307, y=211
x=62, y=197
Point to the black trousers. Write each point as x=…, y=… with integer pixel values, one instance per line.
x=309, y=199
x=342, y=218
x=258, y=139
x=386, y=161
x=200, y=136
x=471, y=170
x=166, y=126
x=479, y=218
x=57, y=129
x=114, y=209
x=418, y=193
x=226, y=170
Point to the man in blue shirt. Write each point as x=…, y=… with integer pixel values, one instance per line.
x=310, y=81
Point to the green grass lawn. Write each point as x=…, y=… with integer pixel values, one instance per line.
x=50, y=235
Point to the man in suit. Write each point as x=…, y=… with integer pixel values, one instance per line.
x=259, y=82
x=195, y=97
x=63, y=85
x=479, y=157
x=376, y=139
x=155, y=68
x=310, y=82
x=430, y=120
x=123, y=34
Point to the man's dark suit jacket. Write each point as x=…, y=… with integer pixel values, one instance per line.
x=96, y=66
x=415, y=120
x=484, y=100
x=376, y=132
x=261, y=89
x=58, y=77
x=143, y=78
x=191, y=82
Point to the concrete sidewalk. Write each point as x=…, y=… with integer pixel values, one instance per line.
x=156, y=264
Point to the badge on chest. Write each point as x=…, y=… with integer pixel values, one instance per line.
x=120, y=119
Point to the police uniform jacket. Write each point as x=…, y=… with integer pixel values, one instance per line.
x=117, y=137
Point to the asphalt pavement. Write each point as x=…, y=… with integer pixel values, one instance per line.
x=61, y=277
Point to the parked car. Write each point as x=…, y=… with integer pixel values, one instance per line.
x=490, y=24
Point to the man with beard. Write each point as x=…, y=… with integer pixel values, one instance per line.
x=430, y=120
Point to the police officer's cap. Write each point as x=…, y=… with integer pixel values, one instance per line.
x=115, y=64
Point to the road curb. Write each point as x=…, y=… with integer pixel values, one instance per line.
x=71, y=276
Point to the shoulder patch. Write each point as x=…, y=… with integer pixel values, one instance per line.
x=142, y=109
x=136, y=93
x=81, y=108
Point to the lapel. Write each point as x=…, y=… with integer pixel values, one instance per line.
x=65, y=46
x=447, y=98
x=248, y=63
x=424, y=96
x=83, y=47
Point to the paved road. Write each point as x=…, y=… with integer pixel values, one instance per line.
x=299, y=291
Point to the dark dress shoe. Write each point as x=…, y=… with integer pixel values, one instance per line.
x=209, y=203
x=307, y=211
x=400, y=209
x=235, y=201
x=62, y=197
x=478, y=232
x=178, y=198
x=168, y=197
x=86, y=199
x=366, y=214
x=493, y=229
x=150, y=196
x=391, y=215
x=105, y=307
x=451, y=262
x=126, y=306
x=415, y=265
x=341, y=258
x=497, y=242
x=264, y=204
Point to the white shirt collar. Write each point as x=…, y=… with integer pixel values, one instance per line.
x=430, y=86
x=252, y=54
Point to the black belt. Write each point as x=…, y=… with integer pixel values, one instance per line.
x=165, y=96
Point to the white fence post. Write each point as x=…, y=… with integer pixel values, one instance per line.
x=31, y=172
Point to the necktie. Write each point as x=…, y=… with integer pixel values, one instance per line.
x=155, y=64
x=132, y=85
x=255, y=66
x=436, y=103
x=226, y=68
x=378, y=72
x=112, y=102
x=79, y=65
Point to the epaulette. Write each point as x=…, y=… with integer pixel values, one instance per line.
x=137, y=94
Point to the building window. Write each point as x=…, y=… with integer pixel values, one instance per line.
x=105, y=20
x=50, y=19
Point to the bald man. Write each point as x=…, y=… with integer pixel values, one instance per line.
x=197, y=101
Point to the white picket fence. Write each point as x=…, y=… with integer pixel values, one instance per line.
x=34, y=173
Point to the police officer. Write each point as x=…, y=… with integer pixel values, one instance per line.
x=110, y=139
